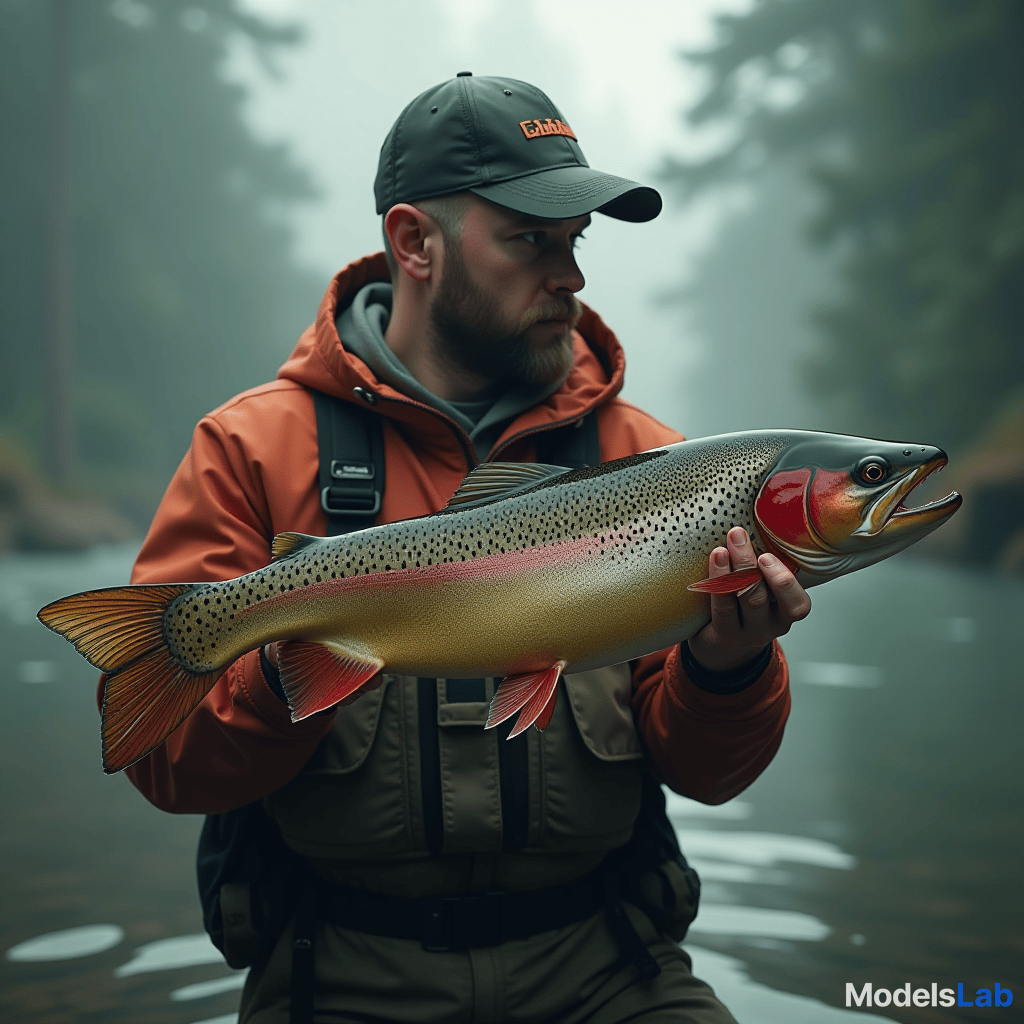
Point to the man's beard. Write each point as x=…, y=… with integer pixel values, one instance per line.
x=470, y=333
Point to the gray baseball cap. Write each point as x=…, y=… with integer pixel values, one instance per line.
x=506, y=141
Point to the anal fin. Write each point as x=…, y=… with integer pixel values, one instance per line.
x=532, y=694
x=315, y=675
x=729, y=583
x=544, y=718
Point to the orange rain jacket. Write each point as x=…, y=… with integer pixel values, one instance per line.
x=251, y=473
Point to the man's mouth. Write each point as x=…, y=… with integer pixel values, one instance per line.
x=564, y=316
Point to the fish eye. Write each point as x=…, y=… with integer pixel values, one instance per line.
x=872, y=471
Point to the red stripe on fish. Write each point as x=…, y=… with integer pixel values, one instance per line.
x=484, y=567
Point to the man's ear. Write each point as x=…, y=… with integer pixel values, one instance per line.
x=413, y=236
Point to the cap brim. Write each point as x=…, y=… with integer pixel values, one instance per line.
x=562, y=192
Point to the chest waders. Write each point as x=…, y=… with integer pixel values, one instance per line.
x=251, y=883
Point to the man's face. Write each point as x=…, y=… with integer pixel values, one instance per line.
x=505, y=304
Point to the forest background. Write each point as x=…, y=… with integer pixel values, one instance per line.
x=864, y=161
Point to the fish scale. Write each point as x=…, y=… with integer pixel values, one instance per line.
x=693, y=500
x=529, y=571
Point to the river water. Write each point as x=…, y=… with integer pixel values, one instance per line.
x=884, y=844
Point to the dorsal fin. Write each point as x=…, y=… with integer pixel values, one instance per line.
x=288, y=543
x=494, y=481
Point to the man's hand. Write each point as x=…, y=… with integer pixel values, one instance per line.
x=373, y=683
x=743, y=624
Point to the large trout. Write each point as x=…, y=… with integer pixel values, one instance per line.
x=528, y=572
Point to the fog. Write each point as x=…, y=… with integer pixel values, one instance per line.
x=614, y=71
x=189, y=177
x=182, y=179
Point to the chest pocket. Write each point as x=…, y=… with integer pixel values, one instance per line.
x=351, y=800
x=408, y=771
x=589, y=772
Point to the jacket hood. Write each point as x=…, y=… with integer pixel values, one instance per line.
x=320, y=361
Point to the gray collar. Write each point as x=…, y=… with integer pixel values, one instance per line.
x=361, y=327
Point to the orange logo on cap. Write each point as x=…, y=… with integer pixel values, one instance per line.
x=534, y=129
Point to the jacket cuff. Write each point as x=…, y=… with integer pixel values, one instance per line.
x=684, y=693
x=257, y=689
x=272, y=675
x=724, y=683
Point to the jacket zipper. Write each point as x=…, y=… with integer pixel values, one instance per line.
x=536, y=430
x=463, y=438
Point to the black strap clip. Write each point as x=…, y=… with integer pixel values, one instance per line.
x=356, y=494
x=351, y=463
x=462, y=922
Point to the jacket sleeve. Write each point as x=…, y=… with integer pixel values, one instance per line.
x=240, y=743
x=703, y=745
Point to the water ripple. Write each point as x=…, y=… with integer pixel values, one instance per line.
x=754, y=1003
x=213, y=987
x=67, y=944
x=164, y=954
x=723, y=919
x=763, y=849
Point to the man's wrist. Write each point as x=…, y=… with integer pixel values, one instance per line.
x=728, y=682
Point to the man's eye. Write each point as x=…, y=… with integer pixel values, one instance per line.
x=533, y=237
x=576, y=239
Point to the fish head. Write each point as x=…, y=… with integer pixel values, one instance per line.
x=833, y=503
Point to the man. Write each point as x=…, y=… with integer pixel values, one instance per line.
x=467, y=340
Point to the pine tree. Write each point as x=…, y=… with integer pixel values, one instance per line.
x=907, y=118
x=183, y=291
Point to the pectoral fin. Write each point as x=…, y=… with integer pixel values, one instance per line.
x=730, y=583
x=533, y=694
x=316, y=675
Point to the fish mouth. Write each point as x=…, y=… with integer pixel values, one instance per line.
x=889, y=514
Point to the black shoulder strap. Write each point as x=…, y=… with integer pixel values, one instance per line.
x=352, y=470
x=351, y=443
x=574, y=445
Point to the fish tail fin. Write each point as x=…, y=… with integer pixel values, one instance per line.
x=144, y=702
x=147, y=694
x=113, y=627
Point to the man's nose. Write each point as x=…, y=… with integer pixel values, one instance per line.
x=565, y=275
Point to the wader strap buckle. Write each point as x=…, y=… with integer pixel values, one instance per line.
x=356, y=495
x=351, y=453
x=462, y=922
